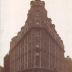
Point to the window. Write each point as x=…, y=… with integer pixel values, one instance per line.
x=38, y=71
x=30, y=46
x=30, y=24
x=45, y=21
x=30, y=15
x=37, y=44
x=37, y=22
x=37, y=34
x=26, y=39
x=26, y=29
x=37, y=60
x=37, y=53
x=22, y=43
x=37, y=12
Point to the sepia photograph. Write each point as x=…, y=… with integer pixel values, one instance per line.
x=36, y=36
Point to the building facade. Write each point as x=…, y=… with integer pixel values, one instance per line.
x=37, y=47
x=7, y=63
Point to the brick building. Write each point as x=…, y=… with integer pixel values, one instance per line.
x=37, y=47
x=7, y=63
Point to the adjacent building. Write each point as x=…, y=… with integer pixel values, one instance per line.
x=37, y=47
x=7, y=63
x=69, y=62
x=1, y=69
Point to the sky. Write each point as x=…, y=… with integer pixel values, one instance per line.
x=14, y=14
